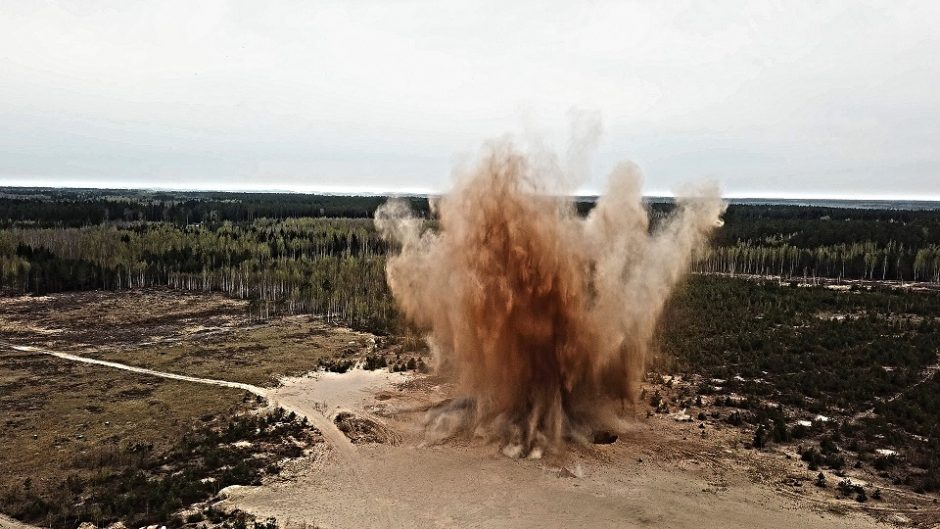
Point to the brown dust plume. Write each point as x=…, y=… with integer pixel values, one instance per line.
x=542, y=316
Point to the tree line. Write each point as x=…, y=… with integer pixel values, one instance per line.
x=331, y=267
x=82, y=207
x=321, y=254
x=866, y=260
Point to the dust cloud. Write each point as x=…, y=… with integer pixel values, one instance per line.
x=542, y=317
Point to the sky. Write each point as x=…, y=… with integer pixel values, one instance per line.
x=770, y=99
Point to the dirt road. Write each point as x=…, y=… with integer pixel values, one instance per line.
x=84, y=359
x=300, y=403
x=649, y=478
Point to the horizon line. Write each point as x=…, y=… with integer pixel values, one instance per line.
x=426, y=192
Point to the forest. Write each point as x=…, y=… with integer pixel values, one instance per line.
x=319, y=254
x=329, y=267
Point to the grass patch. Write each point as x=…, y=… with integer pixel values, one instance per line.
x=138, y=485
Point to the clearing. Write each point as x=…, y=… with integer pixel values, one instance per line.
x=376, y=466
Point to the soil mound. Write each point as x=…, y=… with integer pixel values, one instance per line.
x=362, y=430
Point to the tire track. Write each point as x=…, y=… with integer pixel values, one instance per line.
x=316, y=416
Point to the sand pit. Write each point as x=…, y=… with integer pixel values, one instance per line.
x=651, y=476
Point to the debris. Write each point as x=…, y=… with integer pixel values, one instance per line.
x=604, y=438
x=363, y=430
x=512, y=451
x=899, y=519
x=575, y=472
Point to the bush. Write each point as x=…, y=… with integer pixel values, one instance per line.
x=760, y=437
x=828, y=446
x=268, y=523
x=781, y=433
x=151, y=486
x=656, y=399
x=375, y=362
x=813, y=457
x=834, y=461
x=821, y=480
x=886, y=462
x=799, y=431
x=847, y=488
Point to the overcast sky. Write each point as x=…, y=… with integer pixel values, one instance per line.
x=769, y=98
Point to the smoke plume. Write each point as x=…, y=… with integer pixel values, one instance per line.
x=543, y=317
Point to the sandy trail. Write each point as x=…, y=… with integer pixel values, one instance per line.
x=124, y=367
x=311, y=404
x=470, y=485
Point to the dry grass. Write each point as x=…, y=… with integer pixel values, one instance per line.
x=60, y=418
x=76, y=319
x=256, y=355
x=205, y=335
x=63, y=419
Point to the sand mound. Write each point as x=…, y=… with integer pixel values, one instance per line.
x=362, y=430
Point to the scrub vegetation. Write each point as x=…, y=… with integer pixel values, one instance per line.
x=815, y=329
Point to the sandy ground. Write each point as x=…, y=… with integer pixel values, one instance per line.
x=647, y=479
x=320, y=396
x=411, y=487
x=661, y=473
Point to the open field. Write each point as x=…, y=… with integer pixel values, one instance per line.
x=103, y=319
x=60, y=416
x=82, y=413
x=191, y=334
x=75, y=431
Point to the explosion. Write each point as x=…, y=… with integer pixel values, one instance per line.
x=543, y=317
